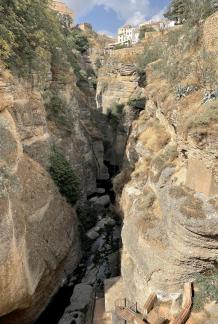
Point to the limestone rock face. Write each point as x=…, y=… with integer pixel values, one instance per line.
x=118, y=84
x=170, y=202
x=80, y=140
x=39, y=236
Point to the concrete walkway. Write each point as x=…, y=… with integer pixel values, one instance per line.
x=100, y=317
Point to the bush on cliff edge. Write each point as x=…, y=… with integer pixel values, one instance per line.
x=64, y=176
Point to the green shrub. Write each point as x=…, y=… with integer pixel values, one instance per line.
x=137, y=103
x=64, y=176
x=112, y=119
x=207, y=290
x=57, y=110
x=190, y=11
x=114, y=114
x=175, y=65
x=33, y=36
x=31, y=28
x=199, y=10
x=117, y=109
x=77, y=40
x=87, y=214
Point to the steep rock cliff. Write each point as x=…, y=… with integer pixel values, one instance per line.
x=34, y=216
x=119, y=83
x=170, y=203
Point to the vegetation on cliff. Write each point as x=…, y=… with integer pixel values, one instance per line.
x=207, y=291
x=180, y=57
x=33, y=36
x=191, y=11
x=63, y=176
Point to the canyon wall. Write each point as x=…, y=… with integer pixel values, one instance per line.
x=170, y=203
x=34, y=216
x=119, y=83
x=167, y=190
x=39, y=230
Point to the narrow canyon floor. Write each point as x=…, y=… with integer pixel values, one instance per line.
x=75, y=301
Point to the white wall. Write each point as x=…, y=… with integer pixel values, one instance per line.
x=128, y=35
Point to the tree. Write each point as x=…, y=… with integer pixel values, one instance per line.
x=177, y=10
x=33, y=36
x=76, y=39
x=27, y=29
x=191, y=11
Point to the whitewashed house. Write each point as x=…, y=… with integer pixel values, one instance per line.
x=166, y=24
x=158, y=25
x=128, y=35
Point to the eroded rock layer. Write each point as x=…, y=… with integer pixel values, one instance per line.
x=170, y=202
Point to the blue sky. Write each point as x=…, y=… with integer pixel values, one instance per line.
x=109, y=15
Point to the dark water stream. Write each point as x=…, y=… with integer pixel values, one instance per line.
x=99, y=253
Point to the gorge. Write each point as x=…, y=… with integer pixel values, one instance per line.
x=108, y=178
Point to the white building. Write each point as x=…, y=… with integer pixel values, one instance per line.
x=128, y=35
x=166, y=24
x=158, y=25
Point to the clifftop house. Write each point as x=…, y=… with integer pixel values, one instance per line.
x=128, y=35
x=158, y=25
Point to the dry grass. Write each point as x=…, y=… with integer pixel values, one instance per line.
x=154, y=137
x=121, y=179
x=177, y=192
x=141, y=169
x=214, y=203
x=192, y=208
x=206, y=117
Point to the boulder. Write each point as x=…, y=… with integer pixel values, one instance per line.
x=90, y=276
x=92, y=234
x=81, y=298
x=103, y=201
x=100, y=190
x=72, y=318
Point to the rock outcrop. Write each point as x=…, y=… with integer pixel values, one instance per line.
x=118, y=84
x=79, y=139
x=170, y=202
x=34, y=216
x=39, y=229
